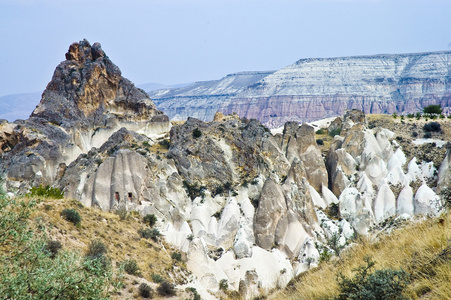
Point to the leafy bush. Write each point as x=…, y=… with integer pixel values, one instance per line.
x=47, y=192
x=194, y=190
x=177, y=256
x=150, y=219
x=432, y=127
x=196, y=296
x=433, y=109
x=27, y=271
x=335, y=132
x=156, y=278
x=71, y=215
x=166, y=289
x=52, y=247
x=131, y=267
x=223, y=285
x=320, y=131
x=148, y=233
x=96, y=248
x=320, y=142
x=122, y=213
x=145, y=290
x=146, y=144
x=394, y=115
x=197, y=133
x=381, y=284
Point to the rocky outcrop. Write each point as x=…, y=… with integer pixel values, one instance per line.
x=444, y=173
x=85, y=103
x=365, y=165
x=240, y=203
x=316, y=88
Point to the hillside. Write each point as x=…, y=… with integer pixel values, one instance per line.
x=422, y=248
x=245, y=209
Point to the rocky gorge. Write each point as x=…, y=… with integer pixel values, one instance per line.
x=240, y=203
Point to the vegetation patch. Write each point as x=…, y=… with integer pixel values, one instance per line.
x=47, y=192
x=71, y=215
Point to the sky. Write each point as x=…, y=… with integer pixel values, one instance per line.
x=180, y=41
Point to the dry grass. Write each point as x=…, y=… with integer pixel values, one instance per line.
x=422, y=249
x=120, y=236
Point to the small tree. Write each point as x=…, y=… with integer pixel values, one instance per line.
x=433, y=109
x=150, y=220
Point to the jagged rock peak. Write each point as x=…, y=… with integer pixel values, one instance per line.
x=88, y=87
x=83, y=51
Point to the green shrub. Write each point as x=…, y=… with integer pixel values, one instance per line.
x=177, y=256
x=192, y=290
x=381, y=284
x=320, y=142
x=194, y=190
x=432, y=127
x=320, y=131
x=150, y=219
x=52, y=247
x=96, y=248
x=146, y=144
x=156, y=278
x=147, y=233
x=394, y=115
x=433, y=109
x=27, y=271
x=165, y=144
x=335, y=132
x=145, y=290
x=197, y=133
x=131, y=267
x=122, y=213
x=324, y=256
x=71, y=215
x=223, y=285
x=47, y=192
x=166, y=289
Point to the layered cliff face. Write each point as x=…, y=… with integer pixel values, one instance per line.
x=312, y=89
x=202, y=99
x=86, y=101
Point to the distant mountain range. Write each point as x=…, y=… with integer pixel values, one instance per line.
x=18, y=106
x=307, y=90
x=317, y=88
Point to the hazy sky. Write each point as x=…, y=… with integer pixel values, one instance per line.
x=178, y=41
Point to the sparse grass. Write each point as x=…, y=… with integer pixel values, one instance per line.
x=423, y=250
x=121, y=237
